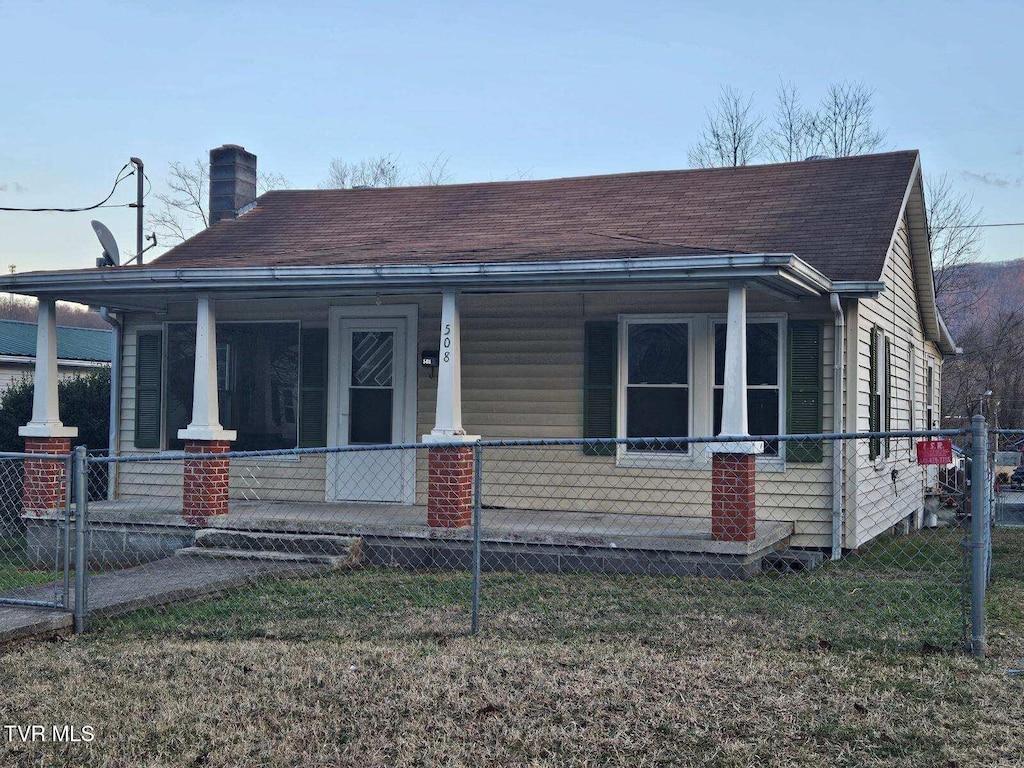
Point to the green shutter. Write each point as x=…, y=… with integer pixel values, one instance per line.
x=874, y=417
x=805, y=390
x=148, y=369
x=313, y=407
x=888, y=394
x=600, y=383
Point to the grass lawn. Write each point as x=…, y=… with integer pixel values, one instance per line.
x=374, y=668
x=12, y=575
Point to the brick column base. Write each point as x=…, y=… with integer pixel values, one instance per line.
x=44, y=485
x=733, y=508
x=205, y=488
x=450, y=487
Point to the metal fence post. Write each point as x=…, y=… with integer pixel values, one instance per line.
x=979, y=524
x=81, y=484
x=69, y=473
x=478, y=457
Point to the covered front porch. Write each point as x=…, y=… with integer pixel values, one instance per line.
x=510, y=347
x=128, y=532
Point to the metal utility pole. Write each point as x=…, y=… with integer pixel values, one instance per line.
x=139, y=176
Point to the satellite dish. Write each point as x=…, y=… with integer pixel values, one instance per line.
x=111, y=256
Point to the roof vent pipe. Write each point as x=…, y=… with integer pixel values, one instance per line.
x=232, y=181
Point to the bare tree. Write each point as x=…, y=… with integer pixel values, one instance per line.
x=732, y=134
x=382, y=171
x=993, y=360
x=954, y=238
x=794, y=133
x=24, y=309
x=844, y=121
x=435, y=172
x=182, y=212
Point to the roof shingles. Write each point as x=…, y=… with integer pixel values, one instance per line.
x=838, y=215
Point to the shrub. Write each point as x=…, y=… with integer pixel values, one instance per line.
x=84, y=403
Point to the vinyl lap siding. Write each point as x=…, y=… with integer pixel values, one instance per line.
x=522, y=377
x=881, y=502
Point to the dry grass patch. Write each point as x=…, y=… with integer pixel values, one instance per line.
x=726, y=695
x=569, y=672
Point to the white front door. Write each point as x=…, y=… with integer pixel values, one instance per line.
x=371, y=411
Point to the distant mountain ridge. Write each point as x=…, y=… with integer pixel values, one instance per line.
x=992, y=287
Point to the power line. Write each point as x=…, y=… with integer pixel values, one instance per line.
x=981, y=226
x=100, y=204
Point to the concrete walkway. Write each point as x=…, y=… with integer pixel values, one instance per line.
x=114, y=593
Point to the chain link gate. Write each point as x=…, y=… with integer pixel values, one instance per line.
x=36, y=530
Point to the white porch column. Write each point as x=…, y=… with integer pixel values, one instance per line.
x=205, y=424
x=448, y=413
x=733, y=463
x=45, y=410
x=734, y=393
x=449, y=467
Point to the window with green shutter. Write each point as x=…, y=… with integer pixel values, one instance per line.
x=805, y=389
x=148, y=370
x=888, y=394
x=873, y=413
x=600, y=383
x=313, y=418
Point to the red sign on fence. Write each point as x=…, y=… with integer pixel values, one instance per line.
x=935, y=452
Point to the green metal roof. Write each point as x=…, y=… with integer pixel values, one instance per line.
x=17, y=338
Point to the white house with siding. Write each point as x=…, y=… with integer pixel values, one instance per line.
x=793, y=298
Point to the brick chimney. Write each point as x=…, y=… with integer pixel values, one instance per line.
x=232, y=181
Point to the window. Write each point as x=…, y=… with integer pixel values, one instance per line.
x=658, y=382
x=257, y=382
x=913, y=387
x=764, y=363
x=671, y=373
x=929, y=417
x=879, y=392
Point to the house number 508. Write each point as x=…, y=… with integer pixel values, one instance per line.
x=447, y=343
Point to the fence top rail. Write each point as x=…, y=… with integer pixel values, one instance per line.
x=47, y=456
x=636, y=442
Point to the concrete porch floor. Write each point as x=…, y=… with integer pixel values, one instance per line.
x=498, y=526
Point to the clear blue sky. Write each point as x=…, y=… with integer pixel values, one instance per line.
x=550, y=88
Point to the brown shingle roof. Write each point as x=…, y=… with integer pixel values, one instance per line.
x=838, y=215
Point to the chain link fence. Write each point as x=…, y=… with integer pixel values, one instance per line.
x=516, y=538
x=34, y=490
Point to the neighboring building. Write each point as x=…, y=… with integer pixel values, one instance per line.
x=323, y=300
x=79, y=350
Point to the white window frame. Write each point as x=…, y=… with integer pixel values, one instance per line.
x=913, y=387
x=701, y=376
x=782, y=321
x=882, y=403
x=656, y=459
x=929, y=408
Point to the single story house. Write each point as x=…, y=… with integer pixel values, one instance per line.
x=760, y=300
x=79, y=350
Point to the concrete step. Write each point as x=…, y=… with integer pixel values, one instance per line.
x=270, y=541
x=331, y=561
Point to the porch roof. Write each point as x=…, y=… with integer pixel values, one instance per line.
x=129, y=288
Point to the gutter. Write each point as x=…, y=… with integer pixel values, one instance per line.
x=838, y=447
x=113, y=434
x=62, y=362
x=803, y=278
